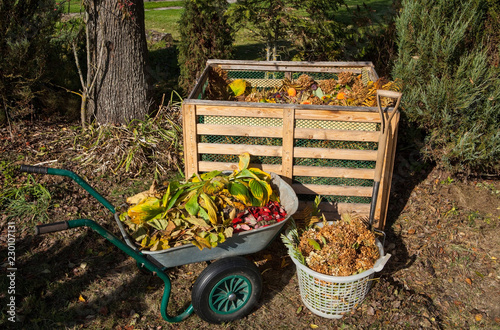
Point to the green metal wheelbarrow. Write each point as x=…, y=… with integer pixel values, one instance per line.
x=226, y=290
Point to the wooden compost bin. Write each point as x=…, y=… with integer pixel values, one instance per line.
x=319, y=149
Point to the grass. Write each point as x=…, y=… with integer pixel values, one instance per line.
x=162, y=4
x=75, y=6
x=164, y=21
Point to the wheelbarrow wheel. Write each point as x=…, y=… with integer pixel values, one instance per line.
x=226, y=290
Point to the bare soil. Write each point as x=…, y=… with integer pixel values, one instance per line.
x=442, y=234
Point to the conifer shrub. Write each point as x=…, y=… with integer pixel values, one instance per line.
x=451, y=88
x=25, y=31
x=205, y=34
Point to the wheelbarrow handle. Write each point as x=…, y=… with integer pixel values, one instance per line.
x=51, y=227
x=34, y=169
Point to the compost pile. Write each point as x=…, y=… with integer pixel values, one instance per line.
x=342, y=248
x=348, y=90
x=205, y=210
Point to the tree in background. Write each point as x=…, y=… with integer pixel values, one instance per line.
x=316, y=35
x=205, y=34
x=117, y=85
x=25, y=31
x=451, y=90
x=267, y=19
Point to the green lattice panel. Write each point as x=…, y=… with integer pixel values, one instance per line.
x=333, y=181
x=334, y=144
x=336, y=199
x=333, y=163
x=234, y=159
x=223, y=139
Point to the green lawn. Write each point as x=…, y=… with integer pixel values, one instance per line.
x=75, y=6
x=162, y=4
x=164, y=21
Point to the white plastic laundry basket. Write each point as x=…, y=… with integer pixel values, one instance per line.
x=333, y=296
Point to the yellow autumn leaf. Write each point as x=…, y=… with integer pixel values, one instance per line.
x=238, y=87
x=145, y=210
x=210, y=207
x=81, y=299
x=313, y=326
x=260, y=173
x=244, y=161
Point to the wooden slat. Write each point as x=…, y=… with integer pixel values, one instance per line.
x=333, y=172
x=315, y=189
x=237, y=149
x=338, y=135
x=368, y=117
x=288, y=150
x=240, y=130
x=243, y=111
x=324, y=153
x=211, y=166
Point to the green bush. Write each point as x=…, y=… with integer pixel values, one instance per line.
x=451, y=90
x=25, y=30
x=205, y=34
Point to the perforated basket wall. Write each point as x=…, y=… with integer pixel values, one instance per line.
x=325, y=150
x=333, y=296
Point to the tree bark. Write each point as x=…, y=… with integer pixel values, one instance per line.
x=122, y=87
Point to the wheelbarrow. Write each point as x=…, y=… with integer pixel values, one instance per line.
x=226, y=290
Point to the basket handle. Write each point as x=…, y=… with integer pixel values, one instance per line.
x=379, y=265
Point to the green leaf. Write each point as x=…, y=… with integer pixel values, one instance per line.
x=240, y=191
x=260, y=173
x=203, y=214
x=192, y=205
x=210, y=175
x=245, y=173
x=314, y=244
x=256, y=189
x=319, y=93
x=172, y=201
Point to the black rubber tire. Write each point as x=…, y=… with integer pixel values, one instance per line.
x=216, y=277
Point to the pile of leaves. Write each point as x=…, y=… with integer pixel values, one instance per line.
x=340, y=248
x=348, y=90
x=205, y=210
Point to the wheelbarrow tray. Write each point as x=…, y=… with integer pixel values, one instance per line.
x=239, y=244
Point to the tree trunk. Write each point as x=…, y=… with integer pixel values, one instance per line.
x=117, y=76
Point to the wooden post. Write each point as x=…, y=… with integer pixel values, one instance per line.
x=385, y=183
x=287, y=147
x=190, y=139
